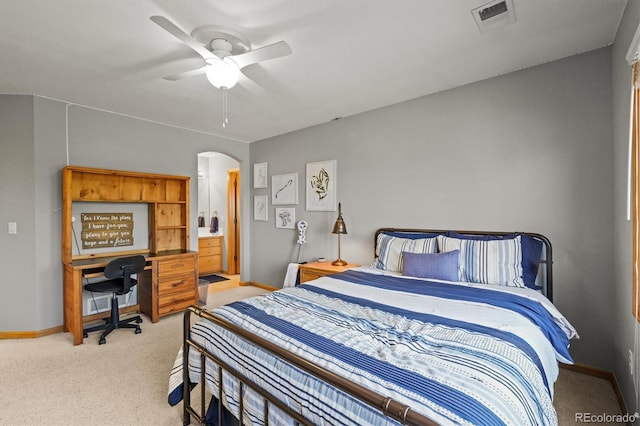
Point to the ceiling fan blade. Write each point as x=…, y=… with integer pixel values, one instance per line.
x=265, y=53
x=251, y=86
x=186, y=74
x=184, y=37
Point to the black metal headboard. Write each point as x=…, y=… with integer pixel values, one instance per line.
x=545, y=276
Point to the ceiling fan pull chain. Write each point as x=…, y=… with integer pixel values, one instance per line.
x=225, y=118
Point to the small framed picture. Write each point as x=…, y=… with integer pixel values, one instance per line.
x=285, y=217
x=284, y=189
x=260, y=175
x=321, y=186
x=260, y=210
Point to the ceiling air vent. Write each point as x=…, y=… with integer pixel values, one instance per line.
x=494, y=15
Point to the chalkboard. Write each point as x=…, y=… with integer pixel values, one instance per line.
x=101, y=230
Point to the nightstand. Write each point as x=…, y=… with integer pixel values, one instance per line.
x=311, y=271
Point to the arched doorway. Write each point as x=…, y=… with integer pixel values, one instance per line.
x=218, y=204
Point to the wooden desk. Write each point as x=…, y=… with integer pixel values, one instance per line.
x=167, y=285
x=170, y=283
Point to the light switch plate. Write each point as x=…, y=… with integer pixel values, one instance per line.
x=13, y=228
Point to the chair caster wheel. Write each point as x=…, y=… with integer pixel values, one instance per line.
x=139, y=320
x=85, y=335
x=138, y=330
x=102, y=341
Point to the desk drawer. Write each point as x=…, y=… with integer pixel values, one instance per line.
x=176, y=266
x=176, y=284
x=176, y=302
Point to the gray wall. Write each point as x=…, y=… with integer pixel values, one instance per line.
x=626, y=327
x=17, y=183
x=527, y=151
x=36, y=146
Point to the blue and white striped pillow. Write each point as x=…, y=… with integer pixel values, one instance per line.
x=389, y=250
x=487, y=262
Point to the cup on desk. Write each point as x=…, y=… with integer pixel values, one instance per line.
x=322, y=259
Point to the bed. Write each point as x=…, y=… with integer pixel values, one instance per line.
x=443, y=328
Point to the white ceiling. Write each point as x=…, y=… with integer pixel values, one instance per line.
x=349, y=56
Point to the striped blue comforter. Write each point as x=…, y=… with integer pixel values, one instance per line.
x=457, y=353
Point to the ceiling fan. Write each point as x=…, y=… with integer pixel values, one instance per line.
x=225, y=52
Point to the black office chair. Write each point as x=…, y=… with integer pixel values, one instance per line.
x=120, y=271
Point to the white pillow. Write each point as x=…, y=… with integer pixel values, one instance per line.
x=389, y=250
x=487, y=262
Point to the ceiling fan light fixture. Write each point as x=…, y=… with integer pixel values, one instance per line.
x=223, y=73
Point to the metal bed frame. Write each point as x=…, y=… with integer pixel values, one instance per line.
x=386, y=405
x=389, y=407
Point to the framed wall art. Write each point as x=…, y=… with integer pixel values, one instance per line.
x=260, y=207
x=285, y=217
x=321, y=183
x=260, y=175
x=284, y=189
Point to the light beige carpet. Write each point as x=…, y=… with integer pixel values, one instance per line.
x=48, y=381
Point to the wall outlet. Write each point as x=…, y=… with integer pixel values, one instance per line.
x=631, y=359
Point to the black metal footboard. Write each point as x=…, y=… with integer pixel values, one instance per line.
x=389, y=407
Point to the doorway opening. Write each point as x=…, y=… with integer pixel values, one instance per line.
x=233, y=224
x=218, y=215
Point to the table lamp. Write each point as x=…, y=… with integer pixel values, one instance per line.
x=339, y=228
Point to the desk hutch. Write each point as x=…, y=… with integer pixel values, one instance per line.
x=169, y=282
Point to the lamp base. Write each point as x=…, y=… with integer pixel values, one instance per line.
x=339, y=262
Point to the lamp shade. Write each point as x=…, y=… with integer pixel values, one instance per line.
x=339, y=227
x=222, y=74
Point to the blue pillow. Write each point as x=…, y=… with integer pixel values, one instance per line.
x=531, y=253
x=439, y=266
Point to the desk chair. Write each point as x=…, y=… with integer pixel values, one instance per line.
x=119, y=271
